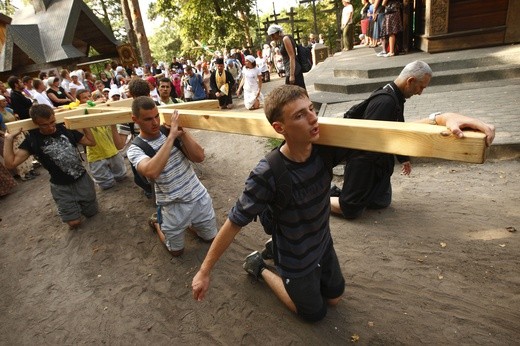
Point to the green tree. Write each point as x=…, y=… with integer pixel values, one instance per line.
x=219, y=23
x=110, y=13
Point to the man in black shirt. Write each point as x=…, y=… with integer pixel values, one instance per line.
x=19, y=101
x=366, y=183
x=55, y=147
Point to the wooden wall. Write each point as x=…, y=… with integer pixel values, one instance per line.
x=467, y=15
x=444, y=25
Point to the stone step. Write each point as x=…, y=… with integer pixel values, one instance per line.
x=456, y=64
x=447, y=77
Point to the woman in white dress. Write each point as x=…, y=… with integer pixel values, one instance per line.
x=251, y=82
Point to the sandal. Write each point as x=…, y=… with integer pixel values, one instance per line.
x=152, y=220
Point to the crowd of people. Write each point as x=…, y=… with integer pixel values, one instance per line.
x=306, y=276
x=381, y=22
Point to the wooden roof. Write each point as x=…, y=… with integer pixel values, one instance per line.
x=54, y=31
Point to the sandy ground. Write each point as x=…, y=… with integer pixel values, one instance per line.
x=437, y=267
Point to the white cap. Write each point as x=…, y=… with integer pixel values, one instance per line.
x=119, y=69
x=114, y=92
x=250, y=58
x=73, y=74
x=51, y=80
x=2, y=98
x=273, y=28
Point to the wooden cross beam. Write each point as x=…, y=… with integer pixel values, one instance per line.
x=121, y=109
x=413, y=139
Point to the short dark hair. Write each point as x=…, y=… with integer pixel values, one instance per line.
x=25, y=79
x=165, y=80
x=142, y=102
x=276, y=100
x=42, y=75
x=138, y=87
x=40, y=111
x=81, y=91
x=12, y=81
x=36, y=83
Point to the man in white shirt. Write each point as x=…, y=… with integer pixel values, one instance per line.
x=40, y=95
x=347, y=25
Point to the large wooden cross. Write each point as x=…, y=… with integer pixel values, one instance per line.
x=412, y=139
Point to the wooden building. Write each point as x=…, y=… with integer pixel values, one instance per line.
x=52, y=34
x=446, y=25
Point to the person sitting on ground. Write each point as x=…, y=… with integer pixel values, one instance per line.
x=28, y=89
x=221, y=82
x=25, y=170
x=182, y=200
x=107, y=165
x=308, y=276
x=56, y=93
x=19, y=102
x=40, y=96
x=54, y=147
x=75, y=84
x=367, y=176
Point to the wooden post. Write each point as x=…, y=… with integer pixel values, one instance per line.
x=413, y=139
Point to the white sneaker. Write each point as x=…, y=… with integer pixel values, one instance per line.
x=382, y=53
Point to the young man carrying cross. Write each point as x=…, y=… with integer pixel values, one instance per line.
x=308, y=276
x=181, y=198
x=54, y=147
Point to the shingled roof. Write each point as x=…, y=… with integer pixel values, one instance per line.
x=51, y=31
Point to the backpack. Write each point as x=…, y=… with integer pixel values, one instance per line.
x=357, y=111
x=140, y=180
x=283, y=185
x=304, y=57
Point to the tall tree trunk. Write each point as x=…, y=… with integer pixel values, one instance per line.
x=105, y=14
x=142, y=40
x=129, y=27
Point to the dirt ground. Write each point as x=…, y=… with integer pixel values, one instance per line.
x=437, y=267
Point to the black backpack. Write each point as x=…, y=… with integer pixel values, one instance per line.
x=304, y=56
x=140, y=180
x=357, y=111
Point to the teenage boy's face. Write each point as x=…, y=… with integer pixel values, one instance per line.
x=46, y=126
x=149, y=122
x=300, y=122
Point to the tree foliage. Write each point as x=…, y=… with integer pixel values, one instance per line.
x=111, y=14
x=217, y=23
x=234, y=24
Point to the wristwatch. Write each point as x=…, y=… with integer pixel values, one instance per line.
x=433, y=118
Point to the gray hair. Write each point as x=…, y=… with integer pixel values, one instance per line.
x=417, y=69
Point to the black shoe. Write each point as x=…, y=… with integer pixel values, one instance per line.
x=268, y=253
x=335, y=191
x=254, y=264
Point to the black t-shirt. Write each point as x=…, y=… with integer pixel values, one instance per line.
x=57, y=153
x=59, y=94
x=20, y=104
x=383, y=107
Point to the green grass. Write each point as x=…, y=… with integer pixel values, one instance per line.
x=273, y=143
